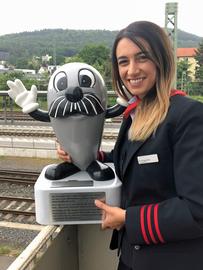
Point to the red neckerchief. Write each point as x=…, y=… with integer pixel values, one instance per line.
x=175, y=92
x=133, y=105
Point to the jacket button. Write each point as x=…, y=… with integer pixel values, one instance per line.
x=136, y=247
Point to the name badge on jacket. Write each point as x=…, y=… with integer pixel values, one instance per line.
x=148, y=159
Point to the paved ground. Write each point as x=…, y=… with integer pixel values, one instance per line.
x=34, y=164
x=5, y=261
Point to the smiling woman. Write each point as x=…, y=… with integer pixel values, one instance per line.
x=159, y=222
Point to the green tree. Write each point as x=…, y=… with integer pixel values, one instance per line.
x=28, y=80
x=4, y=77
x=98, y=56
x=183, y=74
x=93, y=54
x=34, y=63
x=75, y=58
x=199, y=59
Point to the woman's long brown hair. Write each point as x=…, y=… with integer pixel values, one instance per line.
x=153, y=108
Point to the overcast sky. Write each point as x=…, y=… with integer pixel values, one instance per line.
x=25, y=15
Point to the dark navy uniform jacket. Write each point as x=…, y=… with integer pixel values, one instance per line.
x=162, y=191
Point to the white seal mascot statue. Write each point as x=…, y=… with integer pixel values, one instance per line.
x=77, y=108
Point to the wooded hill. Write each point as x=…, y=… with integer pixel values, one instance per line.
x=61, y=43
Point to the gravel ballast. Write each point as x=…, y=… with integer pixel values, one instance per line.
x=19, y=238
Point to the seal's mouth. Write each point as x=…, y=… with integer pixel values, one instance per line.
x=89, y=105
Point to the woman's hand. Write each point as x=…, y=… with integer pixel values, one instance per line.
x=63, y=155
x=113, y=217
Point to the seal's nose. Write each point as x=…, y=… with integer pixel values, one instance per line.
x=75, y=96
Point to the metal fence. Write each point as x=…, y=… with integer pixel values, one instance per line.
x=8, y=107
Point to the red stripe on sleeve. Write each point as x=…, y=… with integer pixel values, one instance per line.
x=149, y=224
x=142, y=225
x=100, y=156
x=156, y=223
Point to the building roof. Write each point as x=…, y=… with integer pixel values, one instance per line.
x=186, y=52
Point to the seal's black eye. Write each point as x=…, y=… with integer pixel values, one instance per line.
x=85, y=81
x=60, y=81
x=86, y=78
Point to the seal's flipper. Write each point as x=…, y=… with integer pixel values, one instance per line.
x=100, y=172
x=60, y=171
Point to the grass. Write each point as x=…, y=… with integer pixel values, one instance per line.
x=9, y=251
x=199, y=98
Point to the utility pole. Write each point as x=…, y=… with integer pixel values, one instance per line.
x=171, y=12
x=54, y=53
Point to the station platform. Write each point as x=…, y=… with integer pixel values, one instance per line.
x=36, y=147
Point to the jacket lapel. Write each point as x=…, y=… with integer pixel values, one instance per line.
x=132, y=151
x=124, y=126
x=135, y=147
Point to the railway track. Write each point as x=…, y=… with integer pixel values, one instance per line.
x=16, y=116
x=17, y=206
x=37, y=133
x=18, y=177
x=19, y=116
x=17, y=209
x=47, y=132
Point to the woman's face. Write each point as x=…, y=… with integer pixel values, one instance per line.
x=137, y=71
